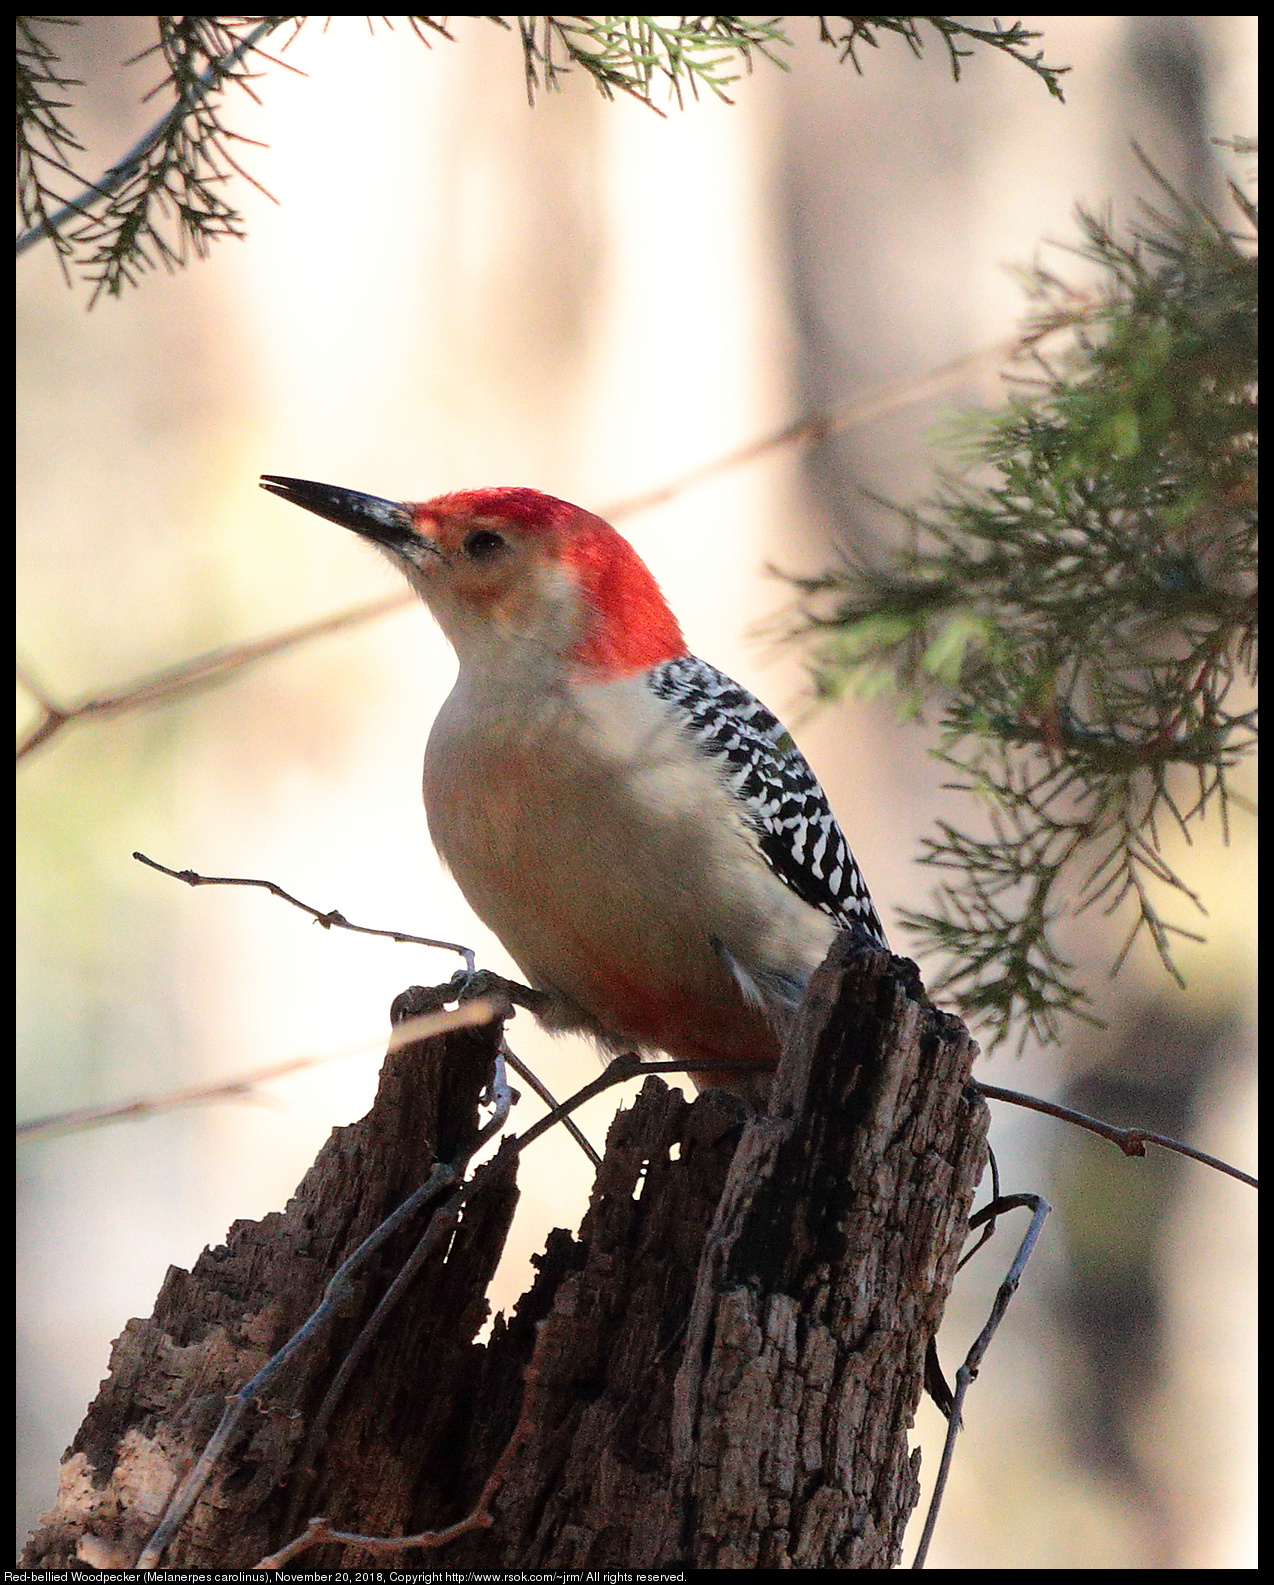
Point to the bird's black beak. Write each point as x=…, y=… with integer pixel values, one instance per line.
x=384, y=522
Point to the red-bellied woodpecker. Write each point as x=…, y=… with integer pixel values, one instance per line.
x=642, y=835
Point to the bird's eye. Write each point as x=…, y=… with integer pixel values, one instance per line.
x=483, y=544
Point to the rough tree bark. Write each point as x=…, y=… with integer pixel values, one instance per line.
x=719, y=1370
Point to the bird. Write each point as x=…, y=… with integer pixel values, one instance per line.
x=639, y=832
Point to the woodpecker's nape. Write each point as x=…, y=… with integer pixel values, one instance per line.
x=639, y=831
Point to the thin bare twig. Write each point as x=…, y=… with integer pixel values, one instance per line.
x=550, y=1100
x=989, y=1230
x=219, y=665
x=187, y=676
x=339, y=1289
x=1132, y=1141
x=332, y=918
x=336, y=1296
x=834, y=421
x=441, y=1225
x=479, y=1011
x=479, y=1517
x=1040, y=1208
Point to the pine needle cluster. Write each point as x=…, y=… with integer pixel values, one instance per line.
x=166, y=199
x=1079, y=607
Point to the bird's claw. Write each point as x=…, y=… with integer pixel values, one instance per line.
x=485, y=982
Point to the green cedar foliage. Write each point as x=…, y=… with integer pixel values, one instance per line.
x=166, y=198
x=1078, y=607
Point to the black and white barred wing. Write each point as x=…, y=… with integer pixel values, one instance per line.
x=795, y=827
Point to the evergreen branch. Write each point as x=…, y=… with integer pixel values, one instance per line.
x=632, y=54
x=165, y=199
x=185, y=677
x=1079, y=605
x=176, y=176
x=170, y=174
x=1010, y=41
x=43, y=138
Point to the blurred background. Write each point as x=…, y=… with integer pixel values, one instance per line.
x=454, y=290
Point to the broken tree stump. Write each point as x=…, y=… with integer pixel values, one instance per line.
x=718, y=1370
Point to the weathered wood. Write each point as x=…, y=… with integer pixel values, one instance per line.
x=825, y=1276
x=215, y=1326
x=724, y=1362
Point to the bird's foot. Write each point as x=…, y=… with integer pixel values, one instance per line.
x=464, y=986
